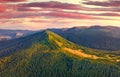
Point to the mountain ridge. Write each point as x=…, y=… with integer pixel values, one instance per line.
x=50, y=55
x=96, y=37
x=49, y=39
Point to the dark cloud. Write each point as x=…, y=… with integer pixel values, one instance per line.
x=53, y=4
x=112, y=9
x=26, y=9
x=109, y=3
x=61, y=6
x=108, y=14
x=30, y=9
x=105, y=14
x=2, y=1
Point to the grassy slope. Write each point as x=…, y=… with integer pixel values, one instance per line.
x=97, y=37
x=47, y=58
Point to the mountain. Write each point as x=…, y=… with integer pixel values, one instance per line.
x=97, y=37
x=12, y=34
x=46, y=54
x=4, y=38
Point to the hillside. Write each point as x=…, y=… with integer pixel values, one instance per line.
x=46, y=54
x=97, y=37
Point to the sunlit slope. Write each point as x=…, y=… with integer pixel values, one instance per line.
x=49, y=55
x=97, y=37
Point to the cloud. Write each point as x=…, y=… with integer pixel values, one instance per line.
x=4, y=1
x=27, y=9
x=109, y=3
x=2, y=8
x=108, y=14
x=40, y=21
x=19, y=15
x=74, y=15
x=105, y=16
x=66, y=6
x=53, y=14
x=4, y=21
x=32, y=9
x=54, y=4
x=69, y=15
x=112, y=9
x=53, y=10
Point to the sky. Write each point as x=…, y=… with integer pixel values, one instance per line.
x=42, y=14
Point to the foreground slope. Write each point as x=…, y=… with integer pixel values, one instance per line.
x=46, y=54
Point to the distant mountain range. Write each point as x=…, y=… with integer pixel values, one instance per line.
x=46, y=54
x=97, y=37
x=12, y=34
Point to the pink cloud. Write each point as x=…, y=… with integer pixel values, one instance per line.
x=52, y=14
x=19, y=15
x=2, y=8
x=71, y=15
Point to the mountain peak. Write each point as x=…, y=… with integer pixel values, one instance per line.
x=45, y=38
x=49, y=33
x=53, y=40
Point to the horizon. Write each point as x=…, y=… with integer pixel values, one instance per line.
x=64, y=27
x=44, y=14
